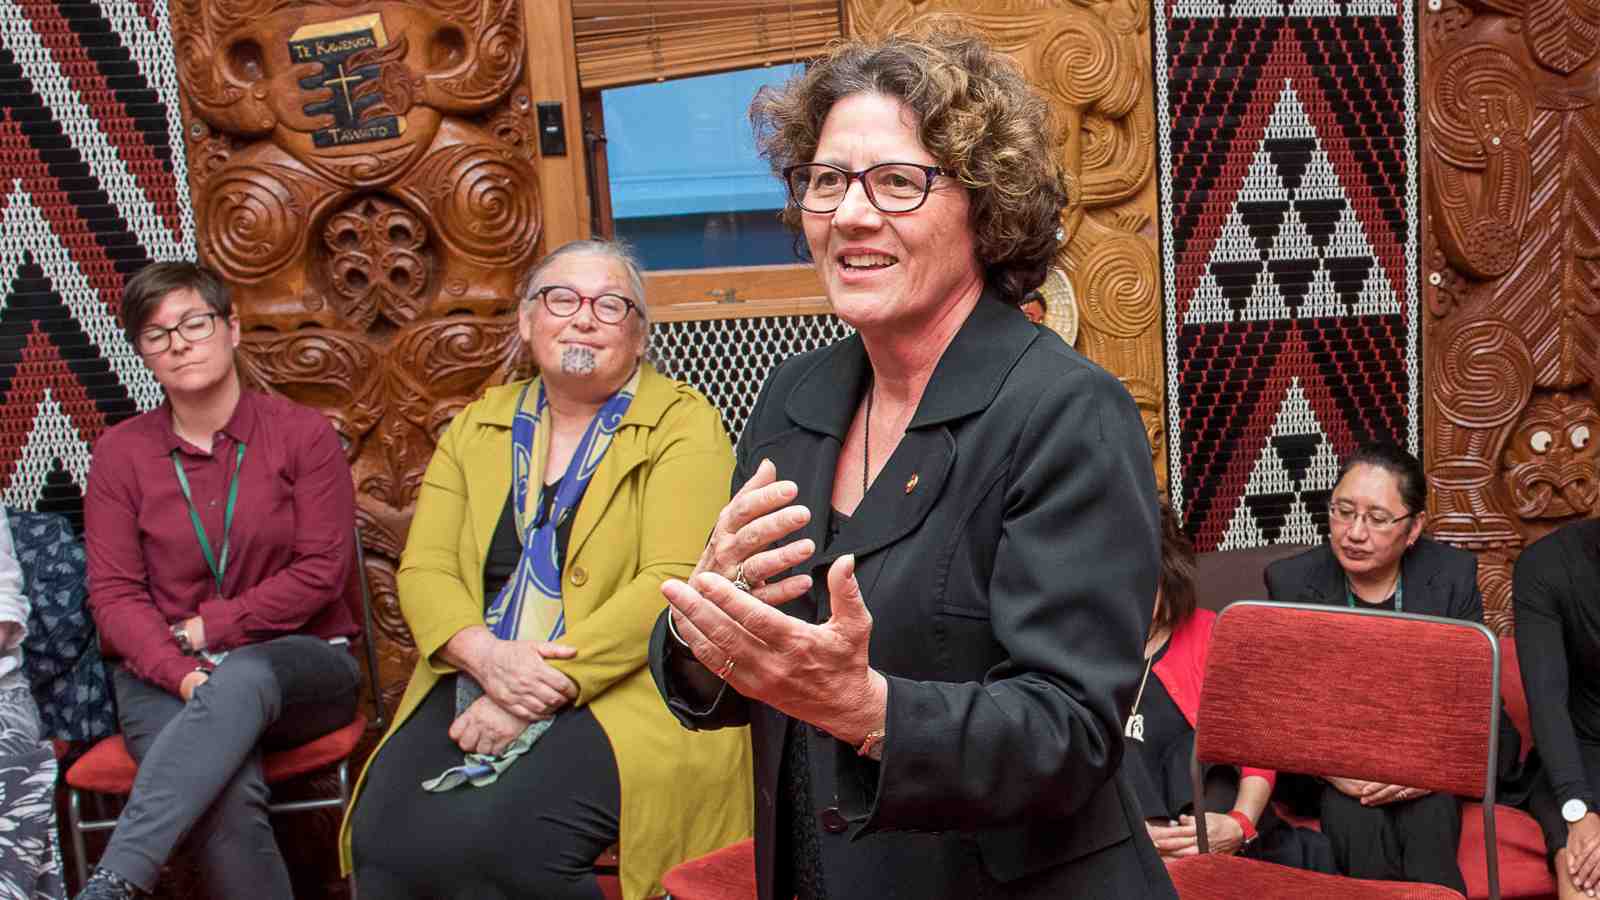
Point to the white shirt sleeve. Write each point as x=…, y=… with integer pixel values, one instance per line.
x=13, y=603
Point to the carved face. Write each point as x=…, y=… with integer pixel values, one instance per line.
x=579, y=355
x=1550, y=460
x=190, y=367
x=881, y=270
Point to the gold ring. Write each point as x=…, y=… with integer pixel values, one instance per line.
x=726, y=670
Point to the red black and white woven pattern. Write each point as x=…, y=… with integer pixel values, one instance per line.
x=1289, y=189
x=92, y=187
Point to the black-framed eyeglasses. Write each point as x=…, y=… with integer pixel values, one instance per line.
x=1376, y=519
x=892, y=187
x=560, y=300
x=156, y=340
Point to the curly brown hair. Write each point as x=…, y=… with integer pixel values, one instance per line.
x=976, y=114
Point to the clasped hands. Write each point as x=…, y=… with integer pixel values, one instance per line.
x=519, y=687
x=1375, y=793
x=814, y=673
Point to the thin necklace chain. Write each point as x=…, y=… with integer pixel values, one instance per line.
x=866, y=444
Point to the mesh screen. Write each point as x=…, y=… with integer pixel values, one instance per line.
x=728, y=359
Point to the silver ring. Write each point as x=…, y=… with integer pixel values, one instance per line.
x=738, y=579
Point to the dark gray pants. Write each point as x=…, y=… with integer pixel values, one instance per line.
x=200, y=762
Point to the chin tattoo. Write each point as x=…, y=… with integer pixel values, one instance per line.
x=577, y=361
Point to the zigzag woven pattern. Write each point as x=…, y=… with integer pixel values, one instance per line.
x=93, y=185
x=1289, y=185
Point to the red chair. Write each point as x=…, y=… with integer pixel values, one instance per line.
x=726, y=874
x=1391, y=697
x=108, y=768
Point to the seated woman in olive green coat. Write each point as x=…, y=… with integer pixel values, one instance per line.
x=530, y=737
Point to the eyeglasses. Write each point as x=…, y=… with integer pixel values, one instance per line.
x=564, y=302
x=156, y=340
x=1376, y=519
x=892, y=187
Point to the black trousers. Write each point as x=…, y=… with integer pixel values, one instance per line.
x=534, y=833
x=1411, y=840
x=200, y=762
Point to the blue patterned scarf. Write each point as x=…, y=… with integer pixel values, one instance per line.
x=529, y=607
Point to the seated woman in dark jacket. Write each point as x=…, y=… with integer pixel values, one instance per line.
x=1159, y=737
x=1378, y=559
x=1557, y=605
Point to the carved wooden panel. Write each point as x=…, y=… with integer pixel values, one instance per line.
x=1511, y=132
x=363, y=175
x=1091, y=58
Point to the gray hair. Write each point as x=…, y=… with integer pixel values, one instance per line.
x=619, y=251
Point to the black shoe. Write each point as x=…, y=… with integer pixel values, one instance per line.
x=105, y=884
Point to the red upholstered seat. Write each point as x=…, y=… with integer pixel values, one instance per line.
x=726, y=874
x=1523, y=872
x=108, y=769
x=1332, y=691
x=1230, y=877
x=1511, y=692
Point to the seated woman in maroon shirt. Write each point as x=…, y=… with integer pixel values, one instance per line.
x=219, y=533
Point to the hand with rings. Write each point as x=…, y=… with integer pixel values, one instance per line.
x=762, y=513
x=815, y=673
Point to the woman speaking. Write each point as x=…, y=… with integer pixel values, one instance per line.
x=929, y=595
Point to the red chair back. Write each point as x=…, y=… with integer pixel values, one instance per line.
x=1396, y=698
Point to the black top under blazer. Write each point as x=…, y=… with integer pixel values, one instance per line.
x=1008, y=553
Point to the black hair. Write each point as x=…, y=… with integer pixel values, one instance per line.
x=1394, y=459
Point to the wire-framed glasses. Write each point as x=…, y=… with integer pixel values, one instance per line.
x=563, y=302
x=156, y=340
x=892, y=187
x=1376, y=519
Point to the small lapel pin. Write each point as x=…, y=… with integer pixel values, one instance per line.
x=911, y=483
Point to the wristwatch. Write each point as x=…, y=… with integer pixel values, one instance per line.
x=181, y=635
x=1574, y=810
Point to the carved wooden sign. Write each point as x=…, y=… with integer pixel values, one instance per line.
x=363, y=177
x=1512, y=274
x=1091, y=58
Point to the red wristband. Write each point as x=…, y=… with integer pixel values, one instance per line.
x=1248, y=826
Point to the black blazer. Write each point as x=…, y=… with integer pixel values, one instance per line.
x=1437, y=580
x=1008, y=553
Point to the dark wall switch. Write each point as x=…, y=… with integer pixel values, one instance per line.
x=552, y=129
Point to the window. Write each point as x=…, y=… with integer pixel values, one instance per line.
x=687, y=187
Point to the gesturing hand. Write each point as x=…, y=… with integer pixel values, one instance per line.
x=814, y=673
x=515, y=675
x=760, y=514
x=486, y=728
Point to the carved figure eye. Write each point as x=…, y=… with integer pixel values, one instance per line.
x=1541, y=441
x=1579, y=436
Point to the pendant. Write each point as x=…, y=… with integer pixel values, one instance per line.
x=1135, y=729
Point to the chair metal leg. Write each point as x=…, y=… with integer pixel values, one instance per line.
x=75, y=825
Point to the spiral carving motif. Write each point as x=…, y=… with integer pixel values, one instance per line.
x=253, y=222
x=1480, y=93
x=1117, y=287
x=1484, y=376
x=1083, y=59
x=489, y=208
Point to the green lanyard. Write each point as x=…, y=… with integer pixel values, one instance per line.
x=217, y=569
x=1399, y=595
